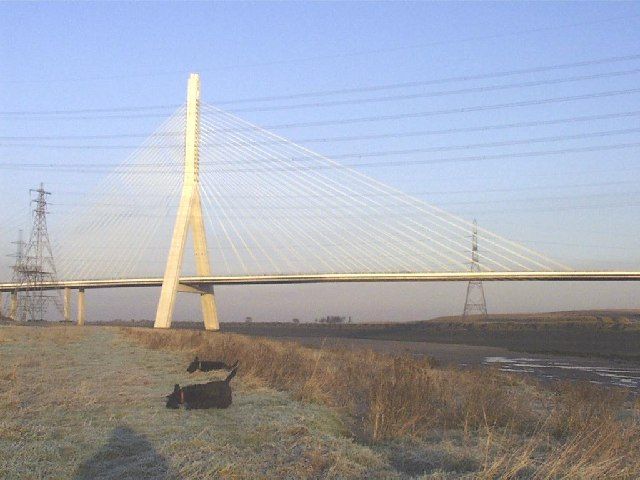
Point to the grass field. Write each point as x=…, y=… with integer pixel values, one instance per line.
x=88, y=403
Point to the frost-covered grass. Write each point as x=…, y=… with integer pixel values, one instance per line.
x=89, y=403
x=85, y=403
x=442, y=422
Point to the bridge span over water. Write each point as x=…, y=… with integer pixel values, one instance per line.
x=195, y=281
x=274, y=212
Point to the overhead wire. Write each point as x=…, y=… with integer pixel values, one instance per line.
x=448, y=111
x=418, y=95
x=444, y=246
x=264, y=174
x=347, y=138
x=100, y=219
x=418, y=236
x=554, y=138
x=366, y=89
x=262, y=179
x=379, y=185
x=424, y=83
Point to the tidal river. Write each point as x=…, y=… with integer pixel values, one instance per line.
x=602, y=371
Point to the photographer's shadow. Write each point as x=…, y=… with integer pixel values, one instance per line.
x=126, y=455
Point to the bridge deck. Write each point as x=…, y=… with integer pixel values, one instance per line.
x=337, y=278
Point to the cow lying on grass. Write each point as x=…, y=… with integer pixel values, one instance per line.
x=208, y=365
x=216, y=394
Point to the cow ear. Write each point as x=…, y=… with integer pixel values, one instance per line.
x=176, y=388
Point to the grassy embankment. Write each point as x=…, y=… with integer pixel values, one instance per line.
x=506, y=427
x=76, y=402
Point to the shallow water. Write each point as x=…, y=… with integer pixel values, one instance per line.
x=601, y=371
x=604, y=372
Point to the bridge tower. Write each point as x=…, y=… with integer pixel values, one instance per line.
x=475, y=303
x=189, y=216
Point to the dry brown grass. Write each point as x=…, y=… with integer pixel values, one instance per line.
x=384, y=396
x=86, y=403
x=528, y=430
x=64, y=391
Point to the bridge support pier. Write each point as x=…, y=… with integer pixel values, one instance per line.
x=81, y=310
x=189, y=216
x=67, y=305
x=13, y=306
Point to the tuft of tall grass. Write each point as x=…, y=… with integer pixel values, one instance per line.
x=389, y=396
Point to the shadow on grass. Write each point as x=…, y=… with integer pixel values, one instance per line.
x=126, y=455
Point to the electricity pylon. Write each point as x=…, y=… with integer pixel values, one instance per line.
x=35, y=265
x=475, y=303
x=189, y=216
x=17, y=277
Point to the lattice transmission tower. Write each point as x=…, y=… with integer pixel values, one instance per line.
x=475, y=303
x=17, y=277
x=35, y=265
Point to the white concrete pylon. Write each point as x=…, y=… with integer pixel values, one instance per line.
x=189, y=215
x=67, y=304
x=81, y=307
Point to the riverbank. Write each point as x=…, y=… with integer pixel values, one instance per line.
x=88, y=402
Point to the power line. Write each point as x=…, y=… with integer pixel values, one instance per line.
x=460, y=91
x=357, y=101
x=544, y=198
x=555, y=208
x=482, y=128
x=315, y=207
x=422, y=83
x=85, y=168
x=373, y=88
x=580, y=245
x=553, y=175
x=333, y=244
x=475, y=158
x=88, y=110
x=587, y=231
x=260, y=215
x=421, y=192
x=501, y=126
x=475, y=108
x=151, y=167
x=524, y=242
x=93, y=137
x=351, y=155
x=94, y=117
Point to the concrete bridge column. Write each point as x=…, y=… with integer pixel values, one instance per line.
x=13, y=307
x=81, y=311
x=189, y=216
x=67, y=304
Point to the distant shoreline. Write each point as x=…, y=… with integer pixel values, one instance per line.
x=612, y=334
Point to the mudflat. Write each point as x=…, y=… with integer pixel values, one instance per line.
x=601, y=347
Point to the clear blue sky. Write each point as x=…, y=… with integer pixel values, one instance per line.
x=581, y=208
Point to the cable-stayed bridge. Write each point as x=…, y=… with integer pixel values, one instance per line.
x=263, y=210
